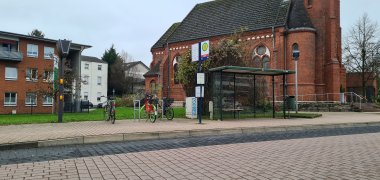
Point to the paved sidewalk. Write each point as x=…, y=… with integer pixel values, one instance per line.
x=335, y=157
x=94, y=132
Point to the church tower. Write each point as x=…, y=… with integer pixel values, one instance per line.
x=325, y=17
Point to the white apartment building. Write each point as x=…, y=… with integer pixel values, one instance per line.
x=94, y=79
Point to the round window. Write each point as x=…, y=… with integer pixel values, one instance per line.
x=261, y=50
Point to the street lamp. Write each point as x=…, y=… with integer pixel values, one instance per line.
x=296, y=55
x=63, y=51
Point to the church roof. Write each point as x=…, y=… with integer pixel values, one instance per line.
x=155, y=71
x=298, y=17
x=223, y=17
x=162, y=41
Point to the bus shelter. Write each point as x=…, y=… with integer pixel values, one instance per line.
x=245, y=91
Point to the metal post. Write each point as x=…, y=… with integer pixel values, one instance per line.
x=284, y=93
x=234, y=95
x=220, y=96
x=273, y=105
x=254, y=96
x=201, y=89
x=60, y=102
x=296, y=62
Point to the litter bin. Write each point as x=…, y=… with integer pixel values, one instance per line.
x=291, y=103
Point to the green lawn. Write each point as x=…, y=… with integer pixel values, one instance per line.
x=122, y=113
x=95, y=115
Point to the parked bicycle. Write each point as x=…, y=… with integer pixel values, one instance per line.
x=149, y=110
x=110, y=110
x=167, y=110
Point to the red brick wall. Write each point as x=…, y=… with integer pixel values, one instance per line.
x=21, y=86
x=306, y=63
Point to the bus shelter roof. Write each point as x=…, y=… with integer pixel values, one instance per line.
x=253, y=71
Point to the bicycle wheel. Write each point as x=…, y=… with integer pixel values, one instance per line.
x=152, y=117
x=106, y=114
x=113, y=116
x=170, y=114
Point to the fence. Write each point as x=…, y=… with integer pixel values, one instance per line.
x=21, y=106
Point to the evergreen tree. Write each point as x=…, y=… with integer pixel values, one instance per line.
x=37, y=33
x=110, y=56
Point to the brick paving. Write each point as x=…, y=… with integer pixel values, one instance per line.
x=36, y=132
x=338, y=157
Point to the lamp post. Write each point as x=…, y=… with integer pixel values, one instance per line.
x=63, y=51
x=296, y=55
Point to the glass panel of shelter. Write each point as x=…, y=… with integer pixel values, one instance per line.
x=244, y=95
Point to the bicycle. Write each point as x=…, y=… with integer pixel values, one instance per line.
x=110, y=111
x=149, y=109
x=168, y=111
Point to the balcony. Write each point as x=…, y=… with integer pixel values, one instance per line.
x=7, y=55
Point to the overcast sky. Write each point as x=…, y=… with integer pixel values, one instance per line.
x=132, y=26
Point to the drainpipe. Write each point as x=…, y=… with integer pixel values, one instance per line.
x=285, y=61
x=167, y=45
x=273, y=38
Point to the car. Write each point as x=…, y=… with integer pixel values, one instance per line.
x=86, y=104
x=102, y=104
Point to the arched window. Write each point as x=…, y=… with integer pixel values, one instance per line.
x=153, y=87
x=295, y=51
x=176, y=62
x=261, y=57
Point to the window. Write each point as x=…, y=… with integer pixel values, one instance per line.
x=48, y=100
x=266, y=62
x=99, y=67
x=31, y=99
x=31, y=74
x=261, y=57
x=48, y=51
x=10, y=99
x=48, y=76
x=99, y=96
x=295, y=52
x=10, y=73
x=153, y=87
x=99, y=80
x=176, y=62
x=261, y=50
x=32, y=50
x=86, y=79
x=86, y=66
x=85, y=96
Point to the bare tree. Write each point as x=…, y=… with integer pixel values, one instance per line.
x=360, y=50
x=126, y=57
x=130, y=71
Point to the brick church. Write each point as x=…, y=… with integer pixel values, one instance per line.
x=274, y=29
